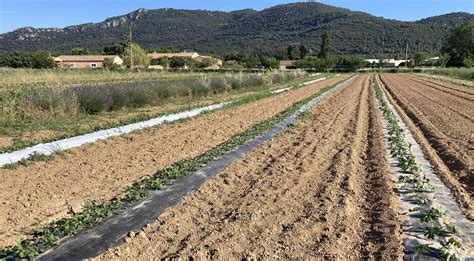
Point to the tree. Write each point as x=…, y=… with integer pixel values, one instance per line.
x=170, y=49
x=460, y=45
x=270, y=63
x=80, y=51
x=177, y=62
x=36, y=60
x=325, y=46
x=382, y=61
x=304, y=51
x=419, y=58
x=294, y=52
x=119, y=49
x=110, y=65
x=140, y=59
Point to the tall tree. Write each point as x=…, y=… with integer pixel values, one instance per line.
x=119, y=49
x=140, y=59
x=419, y=58
x=460, y=46
x=325, y=46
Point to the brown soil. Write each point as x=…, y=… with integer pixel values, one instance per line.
x=442, y=120
x=6, y=141
x=39, y=193
x=321, y=190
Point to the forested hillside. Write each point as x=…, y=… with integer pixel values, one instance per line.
x=268, y=31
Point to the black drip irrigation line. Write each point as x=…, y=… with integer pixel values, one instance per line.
x=111, y=233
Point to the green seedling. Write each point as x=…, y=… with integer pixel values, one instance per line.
x=448, y=250
x=432, y=232
x=422, y=248
x=433, y=215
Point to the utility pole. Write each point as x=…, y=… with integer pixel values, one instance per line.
x=406, y=56
x=131, y=51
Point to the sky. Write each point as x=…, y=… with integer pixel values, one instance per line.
x=60, y=13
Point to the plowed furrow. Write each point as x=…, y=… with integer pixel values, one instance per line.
x=442, y=87
x=301, y=195
x=39, y=193
x=446, y=139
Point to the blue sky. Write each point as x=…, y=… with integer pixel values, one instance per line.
x=60, y=13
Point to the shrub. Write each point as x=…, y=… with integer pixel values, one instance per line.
x=119, y=100
x=200, y=87
x=218, y=84
x=253, y=80
x=278, y=77
x=235, y=82
x=163, y=92
x=90, y=104
x=138, y=97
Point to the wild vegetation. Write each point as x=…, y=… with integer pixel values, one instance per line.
x=461, y=73
x=76, y=110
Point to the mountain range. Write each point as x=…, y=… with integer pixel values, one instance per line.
x=267, y=31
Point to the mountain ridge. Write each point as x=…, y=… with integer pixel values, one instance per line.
x=268, y=31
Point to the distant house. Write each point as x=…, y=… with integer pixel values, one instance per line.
x=284, y=64
x=396, y=63
x=85, y=61
x=190, y=55
x=214, y=63
x=389, y=63
x=433, y=60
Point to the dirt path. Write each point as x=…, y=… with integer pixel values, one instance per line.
x=445, y=122
x=321, y=190
x=37, y=194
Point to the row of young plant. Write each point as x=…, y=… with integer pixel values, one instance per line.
x=414, y=179
x=94, y=213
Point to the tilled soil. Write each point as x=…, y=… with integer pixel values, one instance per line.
x=442, y=119
x=34, y=195
x=321, y=190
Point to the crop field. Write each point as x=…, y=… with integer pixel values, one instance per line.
x=444, y=115
x=33, y=114
x=332, y=183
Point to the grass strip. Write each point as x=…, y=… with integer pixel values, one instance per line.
x=94, y=213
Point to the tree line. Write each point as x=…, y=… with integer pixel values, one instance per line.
x=457, y=51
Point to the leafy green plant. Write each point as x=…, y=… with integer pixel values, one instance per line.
x=433, y=215
x=432, y=232
x=448, y=249
x=422, y=248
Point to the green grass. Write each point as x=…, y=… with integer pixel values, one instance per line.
x=34, y=157
x=459, y=73
x=94, y=213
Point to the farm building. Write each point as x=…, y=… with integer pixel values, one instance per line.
x=284, y=64
x=190, y=55
x=390, y=63
x=85, y=61
x=214, y=63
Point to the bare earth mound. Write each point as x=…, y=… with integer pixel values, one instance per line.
x=34, y=195
x=320, y=190
x=442, y=117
